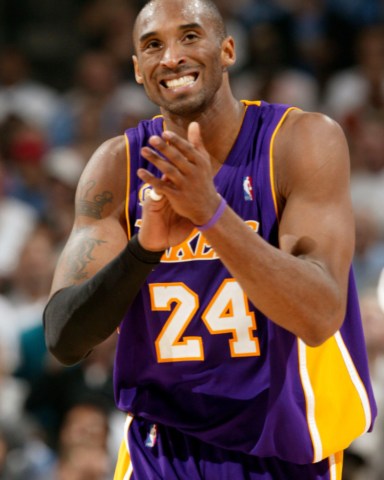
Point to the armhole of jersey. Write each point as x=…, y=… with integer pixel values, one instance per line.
x=272, y=161
x=128, y=187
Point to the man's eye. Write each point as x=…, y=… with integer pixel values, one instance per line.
x=152, y=45
x=191, y=36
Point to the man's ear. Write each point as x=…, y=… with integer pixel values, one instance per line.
x=138, y=76
x=228, y=52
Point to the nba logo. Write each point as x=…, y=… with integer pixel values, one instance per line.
x=248, y=189
x=150, y=441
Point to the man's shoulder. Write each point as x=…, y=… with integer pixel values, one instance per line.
x=104, y=177
x=114, y=144
x=304, y=123
x=308, y=142
x=107, y=158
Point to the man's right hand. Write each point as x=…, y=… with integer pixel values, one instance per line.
x=161, y=227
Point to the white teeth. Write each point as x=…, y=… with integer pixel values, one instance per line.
x=180, y=82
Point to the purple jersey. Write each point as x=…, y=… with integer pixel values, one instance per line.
x=196, y=355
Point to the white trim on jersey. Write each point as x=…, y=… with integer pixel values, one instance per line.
x=127, y=424
x=356, y=380
x=310, y=397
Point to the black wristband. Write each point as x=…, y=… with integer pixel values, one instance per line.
x=140, y=253
x=79, y=317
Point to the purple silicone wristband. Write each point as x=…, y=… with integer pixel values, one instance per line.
x=219, y=212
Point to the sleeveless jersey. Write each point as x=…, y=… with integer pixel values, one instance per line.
x=195, y=354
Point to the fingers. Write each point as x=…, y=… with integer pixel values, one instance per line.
x=191, y=148
x=177, y=150
x=180, y=160
x=148, y=177
x=172, y=174
x=171, y=151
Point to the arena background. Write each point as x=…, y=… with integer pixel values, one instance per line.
x=66, y=84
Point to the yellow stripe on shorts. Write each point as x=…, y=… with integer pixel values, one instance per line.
x=124, y=470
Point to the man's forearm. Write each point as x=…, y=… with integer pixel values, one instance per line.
x=79, y=317
x=299, y=295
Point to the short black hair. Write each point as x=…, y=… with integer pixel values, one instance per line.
x=212, y=11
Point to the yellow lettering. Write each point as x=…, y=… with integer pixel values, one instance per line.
x=195, y=247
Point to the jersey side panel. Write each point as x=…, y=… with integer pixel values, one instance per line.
x=343, y=406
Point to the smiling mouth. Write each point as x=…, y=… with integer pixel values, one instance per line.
x=184, y=81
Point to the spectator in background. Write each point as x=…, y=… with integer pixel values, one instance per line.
x=84, y=424
x=370, y=447
x=58, y=388
x=369, y=250
x=82, y=451
x=366, y=141
x=31, y=278
x=83, y=463
x=13, y=391
x=97, y=105
x=107, y=25
x=321, y=36
x=300, y=42
x=23, y=146
x=358, y=12
x=17, y=220
x=62, y=167
x=270, y=72
x=3, y=455
x=361, y=86
x=21, y=453
x=20, y=94
x=9, y=345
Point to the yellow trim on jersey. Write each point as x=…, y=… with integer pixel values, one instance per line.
x=123, y=465
x=272, y=161
x=124, y=470
x=337, y=403
x=251, y=102
x=336, y=466
x=128, y=186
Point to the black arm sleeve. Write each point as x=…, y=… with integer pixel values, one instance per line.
x=79, y=317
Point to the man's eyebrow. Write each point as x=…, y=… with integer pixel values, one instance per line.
x=146, y=35
x=186, y=26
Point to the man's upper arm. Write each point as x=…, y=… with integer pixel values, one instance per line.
x=99, y=232
x=312, y=171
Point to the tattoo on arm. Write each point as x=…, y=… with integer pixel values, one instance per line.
x=93, y=207
x=80, y=258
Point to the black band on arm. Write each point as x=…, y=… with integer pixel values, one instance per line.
x=79, y=317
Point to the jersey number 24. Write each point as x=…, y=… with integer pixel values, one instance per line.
x=227, y=312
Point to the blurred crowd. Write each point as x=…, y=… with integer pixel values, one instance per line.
x=66, y=85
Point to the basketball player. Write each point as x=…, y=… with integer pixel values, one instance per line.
x=217, y=239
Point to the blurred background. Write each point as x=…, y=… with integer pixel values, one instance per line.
x=66, y=85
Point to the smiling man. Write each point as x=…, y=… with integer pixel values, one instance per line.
x=217, y=239
x=181, y=85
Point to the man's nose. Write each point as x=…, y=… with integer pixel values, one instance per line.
x=173, y=56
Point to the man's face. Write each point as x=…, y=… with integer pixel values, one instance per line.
x=179, y=56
